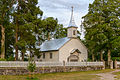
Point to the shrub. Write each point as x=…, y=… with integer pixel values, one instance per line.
x=25, y=59
x=2, y=59
x=31, y=67
x=11, y=58
x=116, y=58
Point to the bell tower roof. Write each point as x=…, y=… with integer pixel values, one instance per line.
x=72, y=22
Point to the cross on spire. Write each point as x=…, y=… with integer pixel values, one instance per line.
x=72, y=9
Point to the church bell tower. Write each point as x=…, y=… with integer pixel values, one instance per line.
x=72, y=28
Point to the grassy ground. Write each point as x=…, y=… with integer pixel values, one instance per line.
x=85, y=75
x=118, y=75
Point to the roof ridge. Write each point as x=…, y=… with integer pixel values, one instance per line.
x=53, y=44
x=55, y=39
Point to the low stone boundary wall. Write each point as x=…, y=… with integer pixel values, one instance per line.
x=20, y=67
x=48, y=64
x=22, y=71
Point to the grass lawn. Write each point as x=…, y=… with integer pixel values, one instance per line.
x=118, y=75
x=83, y=75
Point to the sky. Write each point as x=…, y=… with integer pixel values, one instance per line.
x=61, y=9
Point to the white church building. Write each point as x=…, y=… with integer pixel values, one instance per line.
x=68, y=49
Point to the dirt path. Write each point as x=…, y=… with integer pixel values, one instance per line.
x=108, y=75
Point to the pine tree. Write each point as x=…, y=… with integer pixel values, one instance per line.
x=102, y=25
x=60, y=32
x=49, y=26
x=26, y=17
x=5, y=10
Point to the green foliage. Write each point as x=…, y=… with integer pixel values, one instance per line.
x=6, y=6
x=102, y=26
x=9, y=41
x=60, y=31
x=48, y=25
x=1, y=59
x=26, y=18
x=0, y=41
x=79, y=75
x=116, y=58
x=31, y=66
x=89, y=60
x=32, y=78
x=25, y=59
x=11, y=58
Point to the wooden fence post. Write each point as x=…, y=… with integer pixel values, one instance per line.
x=64, y=66
x=43, y=69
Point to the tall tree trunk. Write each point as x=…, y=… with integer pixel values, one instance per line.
x=23, y=54
x=101, y=55
x=16, y=48
x=48, y=38
x=93, y=57
x=3, y=42
x=109, y=55
x=31, y=55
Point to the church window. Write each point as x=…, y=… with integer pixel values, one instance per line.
x=43, y=55
x=74, y=32
x=50, y=55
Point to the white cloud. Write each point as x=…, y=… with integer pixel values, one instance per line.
x=61, y=9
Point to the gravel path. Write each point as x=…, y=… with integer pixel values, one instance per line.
x=108, y=75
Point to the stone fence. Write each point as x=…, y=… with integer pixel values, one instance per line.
x=48, y=64
x=20, y=68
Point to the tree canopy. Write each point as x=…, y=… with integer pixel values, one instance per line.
x=102, y=25
x=22, y=28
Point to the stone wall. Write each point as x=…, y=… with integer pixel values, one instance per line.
x=22, y=71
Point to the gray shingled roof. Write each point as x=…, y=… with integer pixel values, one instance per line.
x=53, y=44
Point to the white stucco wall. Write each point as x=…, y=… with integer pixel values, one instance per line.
x=70, y=32
x=64, y=51
x=55, y=57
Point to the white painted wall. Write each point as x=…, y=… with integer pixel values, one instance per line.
x=70, y=32
x=55, y=57
x=74, y=43
x=64, y=52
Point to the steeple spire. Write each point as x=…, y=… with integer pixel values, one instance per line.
x=72, y=22
x=72, y=28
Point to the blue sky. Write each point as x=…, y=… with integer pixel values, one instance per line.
x=61, y=9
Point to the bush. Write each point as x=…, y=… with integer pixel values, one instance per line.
x=11, y=58
x=2, y=59
x=25, y=59
x=31, y=67
x=116, y=58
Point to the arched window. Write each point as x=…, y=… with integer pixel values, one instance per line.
x=43, y=55
x=74, y=32
x=50, y=55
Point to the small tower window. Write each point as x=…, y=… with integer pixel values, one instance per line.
x=50, y=55
x=74, y=31
x=43, y=55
